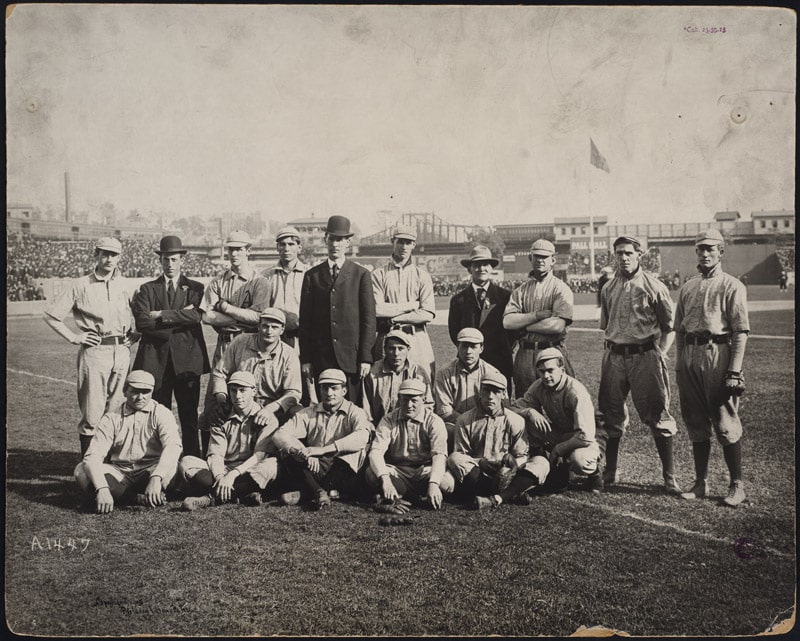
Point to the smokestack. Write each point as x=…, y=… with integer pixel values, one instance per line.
x=66, y=196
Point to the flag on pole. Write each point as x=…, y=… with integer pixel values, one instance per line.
x=596, y=158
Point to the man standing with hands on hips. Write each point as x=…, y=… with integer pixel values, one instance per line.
x=338, y=311
x=636, y=313
x=711, y=323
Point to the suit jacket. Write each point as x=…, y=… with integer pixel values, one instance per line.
x=464, y=312
x=337, y=320
x=178, y=334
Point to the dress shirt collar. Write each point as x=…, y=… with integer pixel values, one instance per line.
x=475, y=288
x=339, y=263
x=174, y=281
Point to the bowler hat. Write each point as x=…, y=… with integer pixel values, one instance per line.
x=482, y=254
x=170, y=245
x=139, y=379
x=338, y=226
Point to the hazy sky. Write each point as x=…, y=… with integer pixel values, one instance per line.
x=479, y=114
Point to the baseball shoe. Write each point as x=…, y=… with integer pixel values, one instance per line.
x=735, y=494
x=334, y=495
x=290, y=498
x=484, y=502
x=254, y=499
x=594, y=482
x=141, y=499
x=525, y=498
x=192, y=503
x=671, y=486
x=610, y=477
x=698, y=491
x=320, y=501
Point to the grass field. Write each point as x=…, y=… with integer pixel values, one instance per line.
x=630, y=559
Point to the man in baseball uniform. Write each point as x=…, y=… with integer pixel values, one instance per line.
x=382, y=386
x=456, y=387
x=711, y=324
x=488, y=439
x=238, y=465
x=636, y=312
x=100, y=307
x=135, y=449
x=404, y=299
x=560, y=418
x=543, y=308
x=273, y=363
x=324, y=446
x=286, y=281
x=409, y=451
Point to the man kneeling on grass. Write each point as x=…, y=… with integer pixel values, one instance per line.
x=238, y=466
x=325, y=445
x=409, y=452
x=490, y=453
x=560, y=420
x=134, y=454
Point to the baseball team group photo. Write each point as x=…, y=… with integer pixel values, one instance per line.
x=402, y=423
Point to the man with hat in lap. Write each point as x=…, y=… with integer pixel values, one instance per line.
x=542, y=307
x=134, y=454
x=100, y=306
x=481, y=305
x=712, y=324
x=404, y=299
x=173, y=350
x=636, y=313
x=560, y=418
x=273, y=363
x=490, y=448
x=409, y=451
x=338, y=311
x=324, y=446
x=388, y=374
x=238, y=466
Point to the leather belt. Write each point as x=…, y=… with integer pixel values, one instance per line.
x=408, y=328
x=628, y=349
x=112, y=340
x=697, y=339
x=526, y=344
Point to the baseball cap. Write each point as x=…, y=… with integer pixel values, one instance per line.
x=238, y=238
x=543, y=247
x=242, y=378
x=547, y=354
x=109, y=244
x=412, y=387
x=140, y=379
x=399, y=335
x=709, y=237
x=332, y=376
x=480, y=253
x=494, y=379
x=628, y=239
x=275, y=314
x=469, y=335
x=286, y=232
x=404, y=231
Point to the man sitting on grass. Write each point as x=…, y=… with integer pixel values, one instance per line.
x=409, y=452
x=237, y=466
x=490, y=447
x=325, y=444
x=134, y=454
x=560, y=419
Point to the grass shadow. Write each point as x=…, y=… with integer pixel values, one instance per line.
x=42, y=477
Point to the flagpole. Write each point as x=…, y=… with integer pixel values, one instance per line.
x=591, y=230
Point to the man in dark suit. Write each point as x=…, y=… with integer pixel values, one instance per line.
x=173, y=349
x=481, y=305
x=337, y=312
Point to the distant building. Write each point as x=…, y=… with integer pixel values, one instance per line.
x=773, y=222
x=727, y=219
x=20, y=211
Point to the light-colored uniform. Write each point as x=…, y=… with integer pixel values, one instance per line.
x=634, y=312
x=102, y=306
x=456, y=389
x=237, y=444
x=712, y=305
x=479, y=435
x=570, y=412
x=247, y=290
x=407, y=447
x=382, y=384
x=348, y=427
x=132, y=446
x=285, y=288
x=394, y=286
x=548, y=294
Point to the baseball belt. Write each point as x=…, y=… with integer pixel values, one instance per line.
x=628, y=349
x=408, y=328
x=703, y=339
x=112, y=340
x=526, y=344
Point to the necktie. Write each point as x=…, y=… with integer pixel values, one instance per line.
x=481, y=294
x=335, y=270
x=170, y=293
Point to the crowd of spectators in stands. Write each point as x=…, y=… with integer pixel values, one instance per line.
x=28, y=260
x=786, y=258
